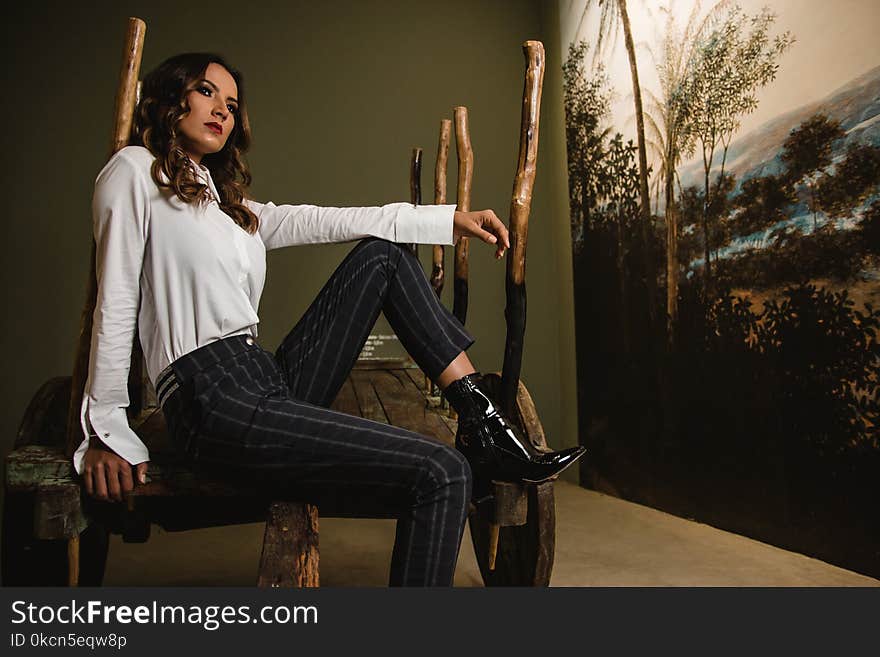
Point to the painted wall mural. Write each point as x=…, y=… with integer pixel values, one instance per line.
x=724, y=181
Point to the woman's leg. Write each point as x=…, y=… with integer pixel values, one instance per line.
x=319, y=352
x=377, y=276
x=461, y=366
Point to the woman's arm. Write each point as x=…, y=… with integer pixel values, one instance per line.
x=289, y=225
x=120, y=211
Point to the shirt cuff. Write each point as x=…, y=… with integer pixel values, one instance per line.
x=425, y=224
x=113, y=430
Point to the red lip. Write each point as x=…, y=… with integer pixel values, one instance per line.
x=215, y=127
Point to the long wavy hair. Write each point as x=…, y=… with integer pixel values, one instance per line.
x=162, y=105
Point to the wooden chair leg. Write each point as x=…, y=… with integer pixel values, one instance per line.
x=509, y=510
x=290, y=546
x=73, y=561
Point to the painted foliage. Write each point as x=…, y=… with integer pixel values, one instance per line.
x=724, y=182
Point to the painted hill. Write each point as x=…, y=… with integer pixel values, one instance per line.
x=856, y=105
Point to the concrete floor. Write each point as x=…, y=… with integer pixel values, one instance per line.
x=600, y=541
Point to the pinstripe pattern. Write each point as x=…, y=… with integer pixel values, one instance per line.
x=241, y=411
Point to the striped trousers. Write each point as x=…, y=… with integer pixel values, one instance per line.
x=240, y=411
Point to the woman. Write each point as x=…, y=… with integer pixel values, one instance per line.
x=181, y=253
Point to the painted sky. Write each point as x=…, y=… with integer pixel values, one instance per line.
x=835, y=42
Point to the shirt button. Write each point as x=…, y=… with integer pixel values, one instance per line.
x=249, y=340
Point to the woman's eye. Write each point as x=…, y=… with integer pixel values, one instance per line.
x=232, y=109
x=205, y=91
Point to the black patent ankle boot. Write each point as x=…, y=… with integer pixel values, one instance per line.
x=490, y=443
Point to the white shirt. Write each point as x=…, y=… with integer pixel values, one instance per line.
x=189, y=275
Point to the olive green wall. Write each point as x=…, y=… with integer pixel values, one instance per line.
x=339, y=92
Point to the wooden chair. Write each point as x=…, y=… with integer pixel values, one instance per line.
x=54, y=534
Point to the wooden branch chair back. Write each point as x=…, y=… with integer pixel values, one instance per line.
x=533, y=548
x=126, y=100
x=520, y=207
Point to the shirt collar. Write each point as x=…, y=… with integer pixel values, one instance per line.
x=204, y=175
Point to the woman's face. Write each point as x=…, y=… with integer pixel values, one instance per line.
x=213, y=106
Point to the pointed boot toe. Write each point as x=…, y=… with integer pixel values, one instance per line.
x=493, y=452
x=554, y=463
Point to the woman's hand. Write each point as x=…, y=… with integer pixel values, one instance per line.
x=108, y=476
x=483, y=224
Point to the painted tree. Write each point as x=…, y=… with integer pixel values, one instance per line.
x=855, y=178
x=869, y=229
x=734, y=59
x=613, y=16
x=669, y=134
x=619, y=207
x=807, y=154
x=718, y=210
x=692, y=207
x=761, y=203
x=586, y=103
x=689, y=213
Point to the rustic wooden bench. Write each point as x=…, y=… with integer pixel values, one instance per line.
x=53, y=534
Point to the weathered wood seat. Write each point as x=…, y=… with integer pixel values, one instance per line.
x=54, y=534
